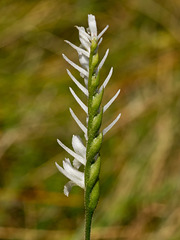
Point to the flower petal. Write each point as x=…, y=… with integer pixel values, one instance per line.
x=80, y=86
x=76, y=164
x=68, y=187
x=111, y=125
x=102, y=32
x=84, y=61
x=100, y=41
x=83, y=128
x=77, y=181
x=82, y=105
x=72, y=171
x=81, y=70
x=78, y=49
x=103, y=60
x=111, y=101
x=78, y=146
x=86, y=81
x=75, y=155
x=106, y=80
x=84, y=38
x=83, y=33
x=92, y=25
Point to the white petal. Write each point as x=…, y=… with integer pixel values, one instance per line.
x=76, y=164
x=106, y=80
x=80, y=86
x=102, y=32
x=85, y=44
x=84, y=61
x=77, y=181
x=88, y=31
x=83, y=128
x=78, y=49
x=100, y=41
x=103, y=60
x=83, y=106
x=78, y=146
x=83, y=32
x=68, y=187
x=92, y=25
x=65, y=173
x=62, y=170
x=87, y=119
x=75, y=155
x=84, y=38
x=111, y=125
x=111, y=101
x=72, y=171
x=86, y=81
x=81, y=70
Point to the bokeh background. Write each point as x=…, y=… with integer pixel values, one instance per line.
x=140, y=174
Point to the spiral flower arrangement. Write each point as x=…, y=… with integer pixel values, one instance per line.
x=88, y=154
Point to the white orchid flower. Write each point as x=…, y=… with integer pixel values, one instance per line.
x=75, y=176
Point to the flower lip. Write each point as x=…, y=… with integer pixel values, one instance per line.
x=67, y=187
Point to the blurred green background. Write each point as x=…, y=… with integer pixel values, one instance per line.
x=140, y=174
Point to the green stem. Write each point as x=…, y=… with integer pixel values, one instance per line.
x=88, y=214
x=88, y=221
x=93, y=143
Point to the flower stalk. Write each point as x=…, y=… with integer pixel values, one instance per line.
x=88, y=154
x=94, y=142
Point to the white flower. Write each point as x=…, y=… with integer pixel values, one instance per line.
x=76, y=177
x=79, y=154
x=84, y=38
x=85, y=46
x=79, y=148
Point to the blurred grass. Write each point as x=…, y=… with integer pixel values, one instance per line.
x=140, y=176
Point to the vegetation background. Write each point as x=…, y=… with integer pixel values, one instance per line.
x=140, y=174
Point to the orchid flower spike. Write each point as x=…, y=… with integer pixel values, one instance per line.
x=88, y=41
x=88, y=154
